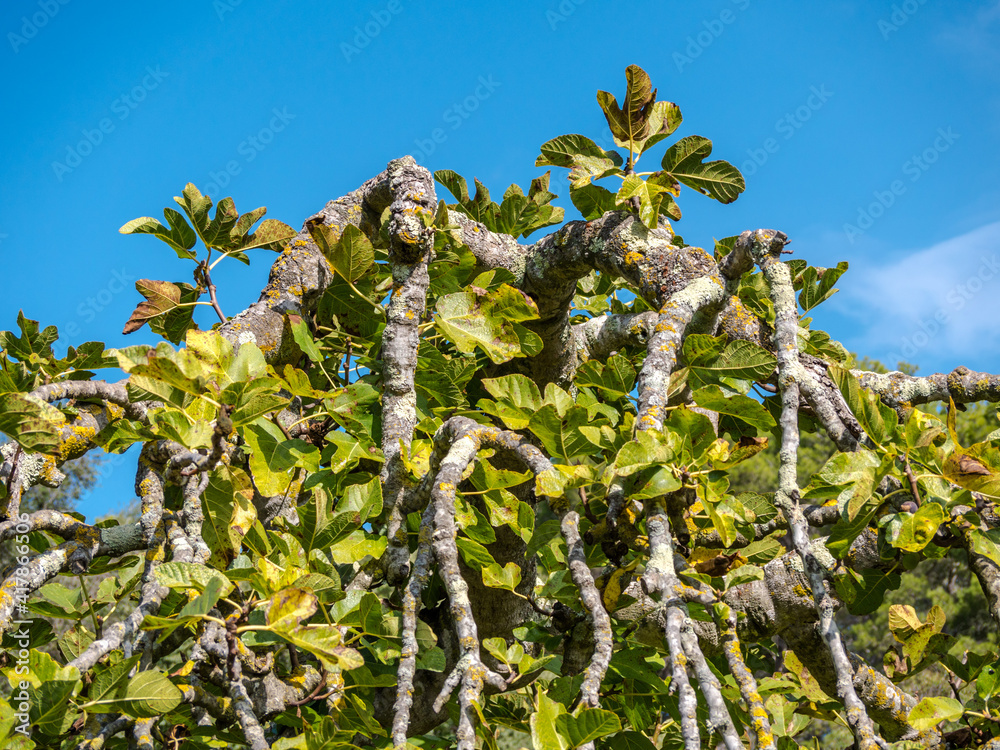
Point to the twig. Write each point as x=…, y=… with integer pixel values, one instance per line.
x=314, y=695
x=207, y=275
x=912, y=479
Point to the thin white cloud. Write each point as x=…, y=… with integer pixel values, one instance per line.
x=936, y=305
x=975, y=37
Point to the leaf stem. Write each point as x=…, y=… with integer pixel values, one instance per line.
x=205, y=270
x=93, y=613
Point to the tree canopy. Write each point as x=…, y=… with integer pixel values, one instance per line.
x=442, y=487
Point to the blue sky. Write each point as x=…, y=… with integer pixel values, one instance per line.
x=868, y=131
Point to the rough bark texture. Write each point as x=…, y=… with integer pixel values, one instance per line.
x=689, y=292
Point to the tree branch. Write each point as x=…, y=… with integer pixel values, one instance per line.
x=766, y=250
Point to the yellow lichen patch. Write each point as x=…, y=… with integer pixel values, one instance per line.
x=632, y=257
x=89, y=536
x=297, y=678
x=49, y=472
x=76, y=440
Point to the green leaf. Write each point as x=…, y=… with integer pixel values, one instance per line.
x=592, y=201
x=851, y=478
x=518, y=398
x=630, y=125
x=864, y=593
x=615, y=377
x=572, y=150
x=270, y=235
x=179, y=236
x=717, y=179
x=986, y=543
x=664, y=119
x=171, y=424
x=930, y=712
x=174, y=323
x=289, y=611
x=362, y=501
x=696, y=431
x=988, y=682
x=148, y=695
x=303, y=337
x=59, y=601
x=173, y=376
x=254, y=398
x=272, y=457
x=485, y=320
x=181, y=575
x=649, y=194
x=475, y=555
x=879, y=420
x=588, y=725
x=11, y=738
x=508, y=577
x=711, y=360
x=51, y=711
x=649, y=448
x=455, y=184
x=520, y=215
x=196, y=206
x=817, y=285
x=230, y=514
x=31, y=345
x=560, y=435
x=443, y=378
x=216, y=232
x=350, y=254
x=741, y=407
x=291, y=607
x=655, y=483
x=630, y=741
x=33, y=423
x=543, y=722
x=918, y=529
